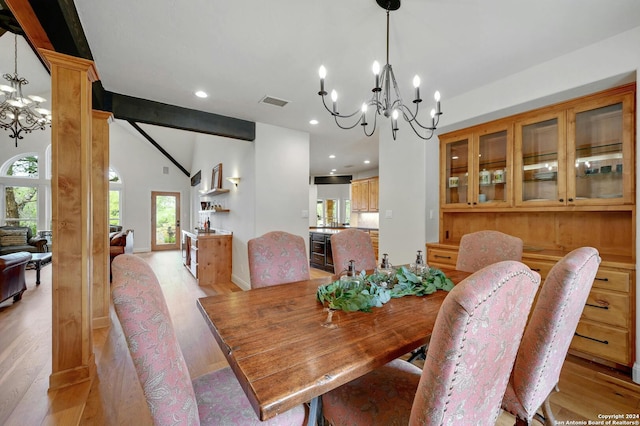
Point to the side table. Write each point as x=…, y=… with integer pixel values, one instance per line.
x=39, y=260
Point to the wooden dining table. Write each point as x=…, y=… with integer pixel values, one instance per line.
x=283, y=354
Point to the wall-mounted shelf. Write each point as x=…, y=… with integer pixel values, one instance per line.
x=214, y=192
x=215, y=211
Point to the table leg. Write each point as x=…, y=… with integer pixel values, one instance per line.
x=38, y=264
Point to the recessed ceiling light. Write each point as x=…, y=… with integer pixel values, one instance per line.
x=366, y=161
x=332, y=156
x=330, y=173
x=333, y=170
x=201, y=94
x=314, y=122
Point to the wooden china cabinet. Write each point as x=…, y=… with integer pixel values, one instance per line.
x=558, y=177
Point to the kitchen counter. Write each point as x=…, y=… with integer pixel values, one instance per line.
x=208, y=255
x=333, y=230
x=321, y=254
x=201, y=233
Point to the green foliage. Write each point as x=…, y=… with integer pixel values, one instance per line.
x=366, y=292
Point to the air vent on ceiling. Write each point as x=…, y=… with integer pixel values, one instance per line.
x=273, y=101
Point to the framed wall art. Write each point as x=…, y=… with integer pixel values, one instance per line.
x=216, y=177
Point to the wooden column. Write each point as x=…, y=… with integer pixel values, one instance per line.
x=100, y=205
x=73, y=357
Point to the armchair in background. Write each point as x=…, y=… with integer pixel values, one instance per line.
x=12, y=280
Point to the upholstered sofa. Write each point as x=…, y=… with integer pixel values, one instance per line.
x=19, y=238
x=12, y=280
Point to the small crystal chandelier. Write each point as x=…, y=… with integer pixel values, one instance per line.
x=386, y=97
x=18, y=113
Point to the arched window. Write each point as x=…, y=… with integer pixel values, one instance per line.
x=20, y=193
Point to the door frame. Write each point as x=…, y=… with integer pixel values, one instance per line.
x=154, y=245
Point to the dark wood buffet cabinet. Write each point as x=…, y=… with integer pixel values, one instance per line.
x=558, y=177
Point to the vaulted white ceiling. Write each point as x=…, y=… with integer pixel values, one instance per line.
x=239, y=51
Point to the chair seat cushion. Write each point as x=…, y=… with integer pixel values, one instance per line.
x=382, y=397
x=221, y=401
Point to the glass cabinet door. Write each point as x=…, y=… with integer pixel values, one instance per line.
x=493, y=157
x=540, y=161
x=457, y=183
x=598, y=148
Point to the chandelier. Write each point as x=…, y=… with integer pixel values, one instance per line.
x=386, y=97
x=18, y=113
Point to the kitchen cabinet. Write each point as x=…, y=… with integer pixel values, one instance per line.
x=476, y=167
x=208, y=255
x=364, y=195
x=320, y=255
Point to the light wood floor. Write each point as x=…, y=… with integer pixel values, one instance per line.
x=115, y=396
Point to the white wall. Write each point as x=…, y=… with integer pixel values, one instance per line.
x=402, y=190
x=273, y=192
x=140, y=166
x=406, y=163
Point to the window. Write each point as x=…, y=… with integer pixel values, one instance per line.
x=21, y=198
x=115, y=198
x=21, y=206
x=114, y=207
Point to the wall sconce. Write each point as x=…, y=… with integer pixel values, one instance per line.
x=234, y=180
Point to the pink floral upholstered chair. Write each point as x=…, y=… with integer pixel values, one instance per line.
x=482, y=248
x=173, y=398
x=548, y=335
x=276, y=258
x=352, y=244
x=473, y=348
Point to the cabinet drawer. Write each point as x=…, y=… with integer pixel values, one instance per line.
x=436, y=257
x=612, y=280
x=607, y=307
x=540, y=267
x=317, y=247
x=602, y=341
x=317, y=237
x=318, y=259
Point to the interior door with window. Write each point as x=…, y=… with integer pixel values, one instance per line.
x=165, y=220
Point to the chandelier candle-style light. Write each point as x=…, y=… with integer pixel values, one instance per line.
x=18, y=113
x=386, y=97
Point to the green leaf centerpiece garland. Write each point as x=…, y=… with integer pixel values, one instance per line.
x=365, y=292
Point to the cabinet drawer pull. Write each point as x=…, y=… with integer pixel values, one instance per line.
x=438, y=256
x=601, y=279
x=596, y=306
x=535, y=269
x=606, y=342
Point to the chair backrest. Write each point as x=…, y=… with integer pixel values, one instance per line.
x=277, y=257
x=160, y=365
x=352, y=244
x=482, y=248
x=473, y=346
x=552, y=325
